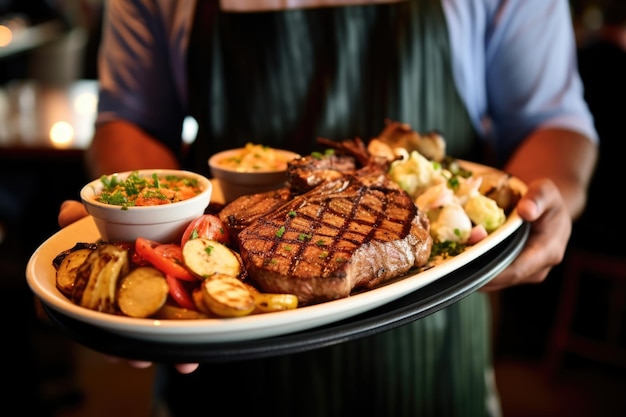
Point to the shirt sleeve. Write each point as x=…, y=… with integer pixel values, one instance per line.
x=137, y=80
x=515, y=65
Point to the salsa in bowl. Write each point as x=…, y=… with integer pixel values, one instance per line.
x=154, y=204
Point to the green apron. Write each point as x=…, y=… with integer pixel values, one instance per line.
x=283, y=79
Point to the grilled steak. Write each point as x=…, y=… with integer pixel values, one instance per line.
x=241, y=212
x=307, y=172
x=354, y=231
x=303, y=174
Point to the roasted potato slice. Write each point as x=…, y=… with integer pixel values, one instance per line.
x=206, y=257
x=497, y=186
x=142, y=292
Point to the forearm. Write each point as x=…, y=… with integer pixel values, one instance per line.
x=121, y=146
x=565, y=157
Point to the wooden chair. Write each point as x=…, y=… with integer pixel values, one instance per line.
x=581, y=264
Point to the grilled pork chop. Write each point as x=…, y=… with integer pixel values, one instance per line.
x=354, y=231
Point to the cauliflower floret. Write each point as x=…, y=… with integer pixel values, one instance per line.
x=467, y=187
x=484, y=211
x=450, y=223
x=438, y=195
x=416, y=173
x=452, y=201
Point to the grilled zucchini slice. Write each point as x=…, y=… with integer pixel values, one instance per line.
x=227, y=296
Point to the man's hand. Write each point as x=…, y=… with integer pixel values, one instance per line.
x=70, y=212
x=551, y=226
x=183, y=368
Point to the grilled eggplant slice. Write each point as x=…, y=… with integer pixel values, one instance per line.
x=97, y=278
x=56, y=262
x=68, y=268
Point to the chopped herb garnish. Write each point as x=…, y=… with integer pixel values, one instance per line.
x=453, y=183
x=446, y=249
x=304, y=236
x=155, y=179
x=136, y=190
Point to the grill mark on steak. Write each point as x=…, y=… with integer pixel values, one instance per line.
x=353, y=232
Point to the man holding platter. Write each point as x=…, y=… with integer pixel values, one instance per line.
x=481, y=72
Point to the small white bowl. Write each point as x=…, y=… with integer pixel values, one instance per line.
x=163, y=223
x=236, y=181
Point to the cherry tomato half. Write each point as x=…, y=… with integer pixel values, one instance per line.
x=209, y=226
x=179, y=293
x=135, y=259
x=166, y=257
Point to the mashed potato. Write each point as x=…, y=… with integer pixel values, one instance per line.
x=253, y=158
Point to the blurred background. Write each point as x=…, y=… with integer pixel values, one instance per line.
x=560, y=347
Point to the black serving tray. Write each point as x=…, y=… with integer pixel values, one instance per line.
x=414, y=306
